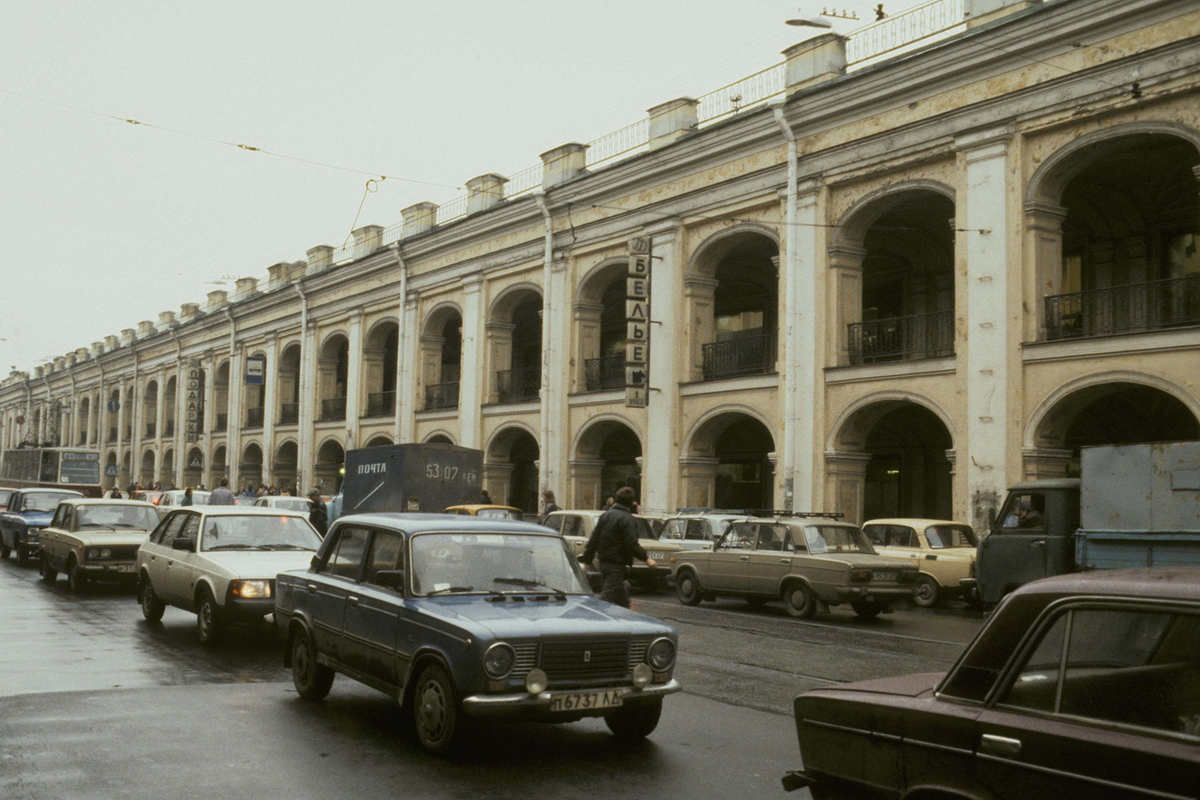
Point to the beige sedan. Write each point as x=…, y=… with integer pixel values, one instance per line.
x=95, y=540
x=943, y=550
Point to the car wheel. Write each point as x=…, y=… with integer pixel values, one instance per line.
x=435, y=711
x=687, y=587
x=928, y=592
x=799, y=600
x=152, y=607
x=313, y=681
x=635, y=722
x=867, y=609
x=209, y=624
x=22, y=556
x=76, y=579
x=49, y=573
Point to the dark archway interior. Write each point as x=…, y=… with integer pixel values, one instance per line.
x=745, y=477
x=746, y=301
x=527, y=334
x=909, y=264
x=620, y=451
x=908, y=474
x=451, y=350
x=523, y=488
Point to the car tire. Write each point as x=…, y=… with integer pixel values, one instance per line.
x=22, y=557
x=688, y=589
x=313, y=681
x=635, y=722
x=49, y=573
x=436, y=715
x=152, y=607
x=928, y=592
x=799, y=600
x=867, y=609
x=209, y=624
x=76, y=579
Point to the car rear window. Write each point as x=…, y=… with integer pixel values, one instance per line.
x=940, y=536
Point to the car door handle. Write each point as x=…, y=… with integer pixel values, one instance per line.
x=312, y=588
x=785, y=561
x=1038, y=543
x=1000, y=745
x=352, y=600
x=743, y=558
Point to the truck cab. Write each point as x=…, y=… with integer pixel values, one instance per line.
x=1032, y=537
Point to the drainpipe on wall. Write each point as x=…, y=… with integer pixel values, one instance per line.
x=303, y=424
x=29, y=407
x=401, y=381
x=233, y=410
x=180, y=419
x=791, y=269
x=545, y=474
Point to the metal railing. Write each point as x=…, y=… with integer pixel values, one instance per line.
x=904, y=29
x=381, y=404
x=289, y=413
x=1150, y=306
x=518, y=385
x=742, y=354
x=254, y=417
x=902, y=338
x=441, y=395
x=607, y=372
x=333, y=409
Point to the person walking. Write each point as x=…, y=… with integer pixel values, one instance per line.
x=318, y=515
x=548, y=505
x=614, y=542
x=187, y=497
x=221, y=496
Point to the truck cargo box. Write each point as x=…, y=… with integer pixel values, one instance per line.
x=1141, y=487
x=411, y=477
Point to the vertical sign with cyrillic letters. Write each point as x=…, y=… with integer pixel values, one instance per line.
x=192, y=411
x=637, y=322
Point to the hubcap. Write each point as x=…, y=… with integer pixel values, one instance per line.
x=433, y=710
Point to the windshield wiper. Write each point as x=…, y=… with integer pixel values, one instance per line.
x=450, y=589
x=283, y=547
x=233, y=547
x=129, y=525
x=528, y=584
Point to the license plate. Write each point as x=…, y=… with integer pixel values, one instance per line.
x=656, y=556
x=126, y=567
x=585, y=700
x=883, y=576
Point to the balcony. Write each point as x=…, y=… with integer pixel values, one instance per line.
x=222, y=423
x=381, y=404
x=603, y=373
x=254, y=417
x=441, y=395
x=289, y=413
x=169, y=428
x=150, y=426
x=519, y=385
x=749, y=353
x=902, y=338
x=333, y=409
x=1150, y=306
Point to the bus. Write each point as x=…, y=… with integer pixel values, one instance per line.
x=57, y=467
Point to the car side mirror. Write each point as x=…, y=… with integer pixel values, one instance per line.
x=184, y=543
x=390, y=578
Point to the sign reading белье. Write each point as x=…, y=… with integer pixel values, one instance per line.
x=637, y=323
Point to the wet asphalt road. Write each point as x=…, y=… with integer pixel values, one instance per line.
x=96, y=702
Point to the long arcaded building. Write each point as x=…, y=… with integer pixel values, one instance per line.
x=880, y=281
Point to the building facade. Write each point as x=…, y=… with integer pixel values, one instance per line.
x=901, y=285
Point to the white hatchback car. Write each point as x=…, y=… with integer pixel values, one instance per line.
x=221, y=562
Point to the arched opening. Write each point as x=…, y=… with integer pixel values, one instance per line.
x=169, y=399
x=515, y=338
x=330, y=467
x=85, y=422
x=126, y=474
x=146, y=475
x=221, y=398
x=220, y=469
x=288, y=383
x=150, y=409
x=1114, y=412
x=256, y=393
x=286, y=467
x=166, y=473
x=441, y=358
x=131, y=398
x=735, y=294
x=607, y=457
x=1130, y=228
x=193, y=468
x=511, y=469
x=113, y=415
x=379, y=364
x=250, y=468
x=379, y=440
x=333, y=369
x=110, y=467
x=600, y=316
x=439, y=438
x=731, y=465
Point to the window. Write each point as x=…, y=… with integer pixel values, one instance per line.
x=387, y=553
x=1024, y=512
x=675, y=529
x=169, y=530
x=770, y=537
x=738, y=537
x=940, y=536
x=346, y=558
x=570, y=526
x=891, y=535
x=554, y=523
x=697, y=529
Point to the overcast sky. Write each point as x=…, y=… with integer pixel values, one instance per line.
x=105, y=223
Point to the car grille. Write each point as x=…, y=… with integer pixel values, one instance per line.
x=580, y=662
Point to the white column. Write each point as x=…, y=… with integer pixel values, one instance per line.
x=237, y=385
x=554, y=451
x=159, y=405
x=270, y=408
x=354, y=392
x=307, y=401
x=406, y=383
x=179, y=440
x=984, y=243
x=660, y=460
x=470, y=401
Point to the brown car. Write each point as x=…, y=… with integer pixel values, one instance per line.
x=1084, y=685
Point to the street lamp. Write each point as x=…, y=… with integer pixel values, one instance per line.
x=810, y=22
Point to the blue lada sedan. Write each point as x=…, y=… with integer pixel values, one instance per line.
x=460, y=618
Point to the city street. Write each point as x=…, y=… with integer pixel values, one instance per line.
x=96, y=702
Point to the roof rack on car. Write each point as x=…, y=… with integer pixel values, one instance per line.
x=782, y=513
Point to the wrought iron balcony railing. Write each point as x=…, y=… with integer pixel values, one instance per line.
x=518, y=385
x=1150, y=306
x=289, y=413
x=607, y=372
x=381, y=404
x=254, y=417
x=333, y=409
x=902, y=338
x=441, y=395
x=742, y=354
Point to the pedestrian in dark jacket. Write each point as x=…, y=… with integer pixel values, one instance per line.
x=614, y=543
x=548, y=506
x=317, y=513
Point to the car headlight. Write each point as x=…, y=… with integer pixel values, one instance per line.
x=498, y=660
x=96, y=553
x=251, y=590
x=30, y=534
x=661, y=655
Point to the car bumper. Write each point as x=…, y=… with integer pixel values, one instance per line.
x=523, y=704
x=256, y=608
x=118, y=571
x=848, y=594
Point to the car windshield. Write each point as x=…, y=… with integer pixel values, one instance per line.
x=137, y=518
x=491, y=563
x=645, y=530
x=4, y=495
x=836, y=539
x=259, y=533
x=43, y=501
x=498, y=513
x=940, y=536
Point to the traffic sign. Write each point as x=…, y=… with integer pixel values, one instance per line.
x=110, y=471
x=113, y=406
